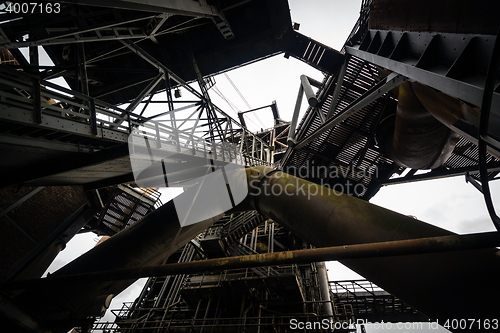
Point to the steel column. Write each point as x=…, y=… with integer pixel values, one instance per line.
x=324, y=288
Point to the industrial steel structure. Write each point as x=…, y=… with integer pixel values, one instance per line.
x=415, y=87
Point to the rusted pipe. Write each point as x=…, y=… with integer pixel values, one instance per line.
x=359, y=251
x=418, y=140
x=430, y=282
x=148, y=242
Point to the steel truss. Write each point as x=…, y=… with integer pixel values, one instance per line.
x=74, y=121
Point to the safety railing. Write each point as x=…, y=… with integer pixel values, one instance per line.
x=351, y=288
x=66, y=110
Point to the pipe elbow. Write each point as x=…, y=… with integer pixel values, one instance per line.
x=413, y=137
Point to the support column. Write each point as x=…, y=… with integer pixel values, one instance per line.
x=324, y=289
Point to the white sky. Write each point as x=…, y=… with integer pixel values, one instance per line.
x=449, y=203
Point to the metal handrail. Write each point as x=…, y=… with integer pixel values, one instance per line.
x=110, y=117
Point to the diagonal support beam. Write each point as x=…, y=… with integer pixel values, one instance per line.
x=338, y=86
x=369, y=96
x=75, y=35
x=155, y=24
x=162, y=68
x=20, y=201
x=132, y=106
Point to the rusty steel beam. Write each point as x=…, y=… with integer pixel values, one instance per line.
x=358, y=251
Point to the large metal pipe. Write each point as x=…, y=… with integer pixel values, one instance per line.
x=148, y=242
x=415, y=138
x=312, y=100
x=435, y=284
x=453, y=113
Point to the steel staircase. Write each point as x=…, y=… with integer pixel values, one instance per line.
x=124, y=207
x=455, y=64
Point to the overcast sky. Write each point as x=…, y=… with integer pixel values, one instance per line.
x=449, y=203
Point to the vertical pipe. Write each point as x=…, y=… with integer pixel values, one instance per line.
x=242, y=309
x=269, y=239
x=324, y=289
